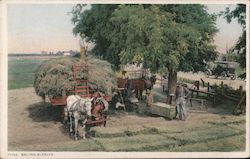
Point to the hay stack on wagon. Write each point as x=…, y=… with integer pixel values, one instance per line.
x=54, y=77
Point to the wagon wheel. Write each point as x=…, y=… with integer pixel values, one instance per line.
x=233, y=77
x=207, y=74
x=223, y=75
x=216, y=75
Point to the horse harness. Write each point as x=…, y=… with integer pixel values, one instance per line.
x=76, y=106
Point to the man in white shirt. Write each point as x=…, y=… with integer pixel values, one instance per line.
x=181, y=93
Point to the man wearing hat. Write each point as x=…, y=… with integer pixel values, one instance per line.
x=181, y=93
x=83, y=47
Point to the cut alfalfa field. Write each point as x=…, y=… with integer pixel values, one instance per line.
x=140, y=142
x=82, y=145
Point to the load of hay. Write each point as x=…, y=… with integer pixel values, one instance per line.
x=54, y=78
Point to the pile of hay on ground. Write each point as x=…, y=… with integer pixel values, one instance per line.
x=54, y=77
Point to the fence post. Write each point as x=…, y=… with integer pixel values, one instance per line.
x=198, y=87
x=221, y=84
x=203, y=83
x=208, y=86
x=241, y=91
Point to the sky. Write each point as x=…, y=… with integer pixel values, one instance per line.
x=228, y=33
x=33, y=28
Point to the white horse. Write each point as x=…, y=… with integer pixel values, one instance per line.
x=77, y=108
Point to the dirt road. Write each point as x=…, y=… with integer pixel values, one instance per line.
x=31, y=124
x=198, y=76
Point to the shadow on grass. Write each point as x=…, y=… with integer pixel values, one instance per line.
x=44, y=112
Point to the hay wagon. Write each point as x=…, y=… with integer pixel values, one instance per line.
x=82, y=89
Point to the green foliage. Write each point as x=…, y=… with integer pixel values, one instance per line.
x=231, y=56
x=200, y=29
x=239, y=13
x=240, y=48
x=176, y=37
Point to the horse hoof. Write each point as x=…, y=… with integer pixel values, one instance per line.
x=76, y=138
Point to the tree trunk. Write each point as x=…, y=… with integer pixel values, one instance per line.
x=172, y=80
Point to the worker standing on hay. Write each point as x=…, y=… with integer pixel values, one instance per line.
x=83, y=47
x=181, y=93
x=124, y=74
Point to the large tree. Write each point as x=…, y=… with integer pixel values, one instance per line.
x=170, y=37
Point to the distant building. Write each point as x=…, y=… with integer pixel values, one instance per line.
x=66, y=53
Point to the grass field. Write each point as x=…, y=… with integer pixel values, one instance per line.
x=21, y=71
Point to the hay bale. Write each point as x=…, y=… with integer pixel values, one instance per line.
x=163, y=109
x=54, y=77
